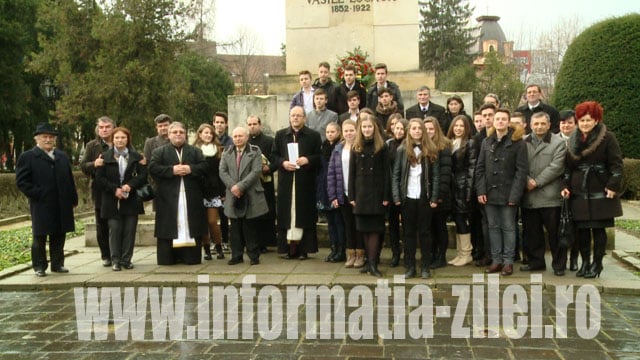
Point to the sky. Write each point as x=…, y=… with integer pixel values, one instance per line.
x=520, y=20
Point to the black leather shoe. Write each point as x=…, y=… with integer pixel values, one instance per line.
x=439, y=262
x=128, y=266
x=532, y=268
x=61, y=269
x=485, y=261
x=411, y=273
x=558, y=272
x=254, y=261
x=425, y=274
x=41, y=273
x=291, y=256
x=116, y=267
x=303, y=256
x=395, y=260
x=235, y=261
x=106, y=262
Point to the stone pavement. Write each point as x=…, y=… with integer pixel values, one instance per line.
x=39, y=316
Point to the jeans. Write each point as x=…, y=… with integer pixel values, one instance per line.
x=502, y=232
x=335, y=223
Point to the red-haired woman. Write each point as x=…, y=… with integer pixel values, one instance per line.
x=593, y=176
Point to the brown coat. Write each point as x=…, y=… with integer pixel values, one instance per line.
x=591, y=167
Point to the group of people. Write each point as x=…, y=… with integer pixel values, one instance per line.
x=354, y=155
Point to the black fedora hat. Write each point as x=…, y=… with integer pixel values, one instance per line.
x=45, y=128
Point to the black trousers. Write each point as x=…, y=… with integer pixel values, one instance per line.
x=353, y=239
x=416, y=218
x=122, y=238
x=244, y=233
x=439, y=232
x=534, y=222
x=39, y=251
x=102, y=235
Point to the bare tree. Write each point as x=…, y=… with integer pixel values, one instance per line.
x=552, y=45
x=204, y=14
x=244, y=64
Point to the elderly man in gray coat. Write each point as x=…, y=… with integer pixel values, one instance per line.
x=541, y=202
x=240, y=170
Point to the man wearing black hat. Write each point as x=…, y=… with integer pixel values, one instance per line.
x=44, y=175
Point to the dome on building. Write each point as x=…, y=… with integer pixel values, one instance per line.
x=491, y=37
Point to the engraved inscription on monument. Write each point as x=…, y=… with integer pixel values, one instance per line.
x=321, y=30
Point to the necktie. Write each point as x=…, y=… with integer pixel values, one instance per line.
x=238, y=158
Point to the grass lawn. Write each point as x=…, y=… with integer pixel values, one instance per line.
x=16, y=245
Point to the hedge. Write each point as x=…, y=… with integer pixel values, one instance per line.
x=14, y=203
x=601, y=65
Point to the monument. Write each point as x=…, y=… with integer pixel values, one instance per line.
x=324, y=30
x=321, y=30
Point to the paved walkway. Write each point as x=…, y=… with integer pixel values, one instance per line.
x=38, y=318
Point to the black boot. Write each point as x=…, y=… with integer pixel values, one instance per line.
x=331, y=255
x=439, y=261
x=373, y=269
x=599, y=244
x=340, y=255
x=573, y=259
x=573, y=263
x=594, y=270
x=207, y=251
x=585, y=254
x=583, y=269
x=219, y=252
x=411, y=271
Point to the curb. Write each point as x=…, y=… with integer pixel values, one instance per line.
x=627, y=258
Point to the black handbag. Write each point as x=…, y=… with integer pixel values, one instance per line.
x=146, y=193
x=566, y=227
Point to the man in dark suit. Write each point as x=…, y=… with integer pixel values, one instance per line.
x=296, y=203
x=353, y=101
x=425, y=108
x=91, y=161
x=350, y=83
x=534, y=104
x=177, y=168
x=240, y=170
x=162, y=127
x=383, y=83
x=265, y=143
x=44, y=175
x=325, y=83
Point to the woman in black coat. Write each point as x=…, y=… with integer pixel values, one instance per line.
x=369, y=185
x=118, y=180
x=463, y=161
x=593, y=176
x=455, y=108
x=398, y=134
